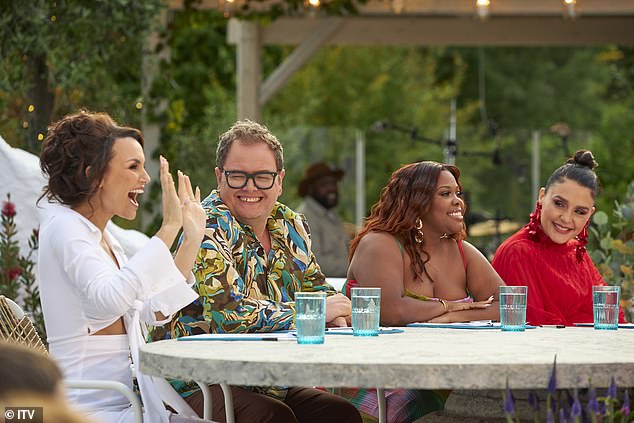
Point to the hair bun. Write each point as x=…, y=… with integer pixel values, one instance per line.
x=583, y=158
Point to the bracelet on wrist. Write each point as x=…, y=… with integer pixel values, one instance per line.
x=444, y=305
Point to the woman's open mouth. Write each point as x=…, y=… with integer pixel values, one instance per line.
x=132, y=196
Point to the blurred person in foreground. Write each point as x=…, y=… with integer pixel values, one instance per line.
x=31, y=381
x=412, y=247
x=256, y=253
x=549, y=254
x=329, y=237
x=93, y=296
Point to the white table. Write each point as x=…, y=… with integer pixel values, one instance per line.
x=426, y=358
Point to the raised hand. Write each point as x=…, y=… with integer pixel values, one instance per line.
x=194, y=216
x=172, y=214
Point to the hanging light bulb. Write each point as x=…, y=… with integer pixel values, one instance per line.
x=570, y=8
x=483, y=8
x=314, y=3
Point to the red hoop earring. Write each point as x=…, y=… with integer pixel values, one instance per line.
x=580, y=250
x=534, y=221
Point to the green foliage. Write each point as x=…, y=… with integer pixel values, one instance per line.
x=17, y=280
x=60, y=56
x=611, y=248
x=196, y=92
x=518, y=91
x=343, y=90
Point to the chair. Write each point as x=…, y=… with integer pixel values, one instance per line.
x=17, y=328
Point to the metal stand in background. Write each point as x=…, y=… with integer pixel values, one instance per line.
x=449, y=145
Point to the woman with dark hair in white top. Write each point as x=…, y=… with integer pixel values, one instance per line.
x=93, y=297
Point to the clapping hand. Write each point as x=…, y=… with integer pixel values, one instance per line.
x=193, y=214
x=172, y=213
x=180, y=208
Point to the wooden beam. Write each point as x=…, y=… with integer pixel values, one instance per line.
x=249, y=74
x=150, y=66
x=466, y=31
x=449, y=7
x=298, y=58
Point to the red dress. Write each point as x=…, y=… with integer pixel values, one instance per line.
x=559, y=287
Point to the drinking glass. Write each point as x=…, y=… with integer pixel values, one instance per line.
x=513, y=308
x=366, y=311
x=310, y=317
x=605, y=304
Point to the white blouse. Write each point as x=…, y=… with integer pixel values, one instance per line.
x=83, y=291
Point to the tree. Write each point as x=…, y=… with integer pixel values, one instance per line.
x=58, y=56
x=347, y=88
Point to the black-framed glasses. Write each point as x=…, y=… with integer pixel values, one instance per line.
x=238, y=179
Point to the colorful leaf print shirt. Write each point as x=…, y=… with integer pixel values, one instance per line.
x=241, y=290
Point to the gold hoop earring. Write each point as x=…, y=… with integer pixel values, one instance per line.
x=419, y=236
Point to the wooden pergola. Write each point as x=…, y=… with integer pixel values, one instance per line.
x=399, y=22
x=421, y=23
x=403, y=22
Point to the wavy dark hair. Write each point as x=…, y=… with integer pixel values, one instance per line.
x=407, y=197
x=75, y=155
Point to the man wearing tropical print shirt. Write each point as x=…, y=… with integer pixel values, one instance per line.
x=255, y=255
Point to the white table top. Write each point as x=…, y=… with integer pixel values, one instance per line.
x=429, y=358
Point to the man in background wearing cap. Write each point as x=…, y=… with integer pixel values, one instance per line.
x=329, y=237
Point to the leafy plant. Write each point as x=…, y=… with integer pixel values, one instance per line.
x=612, y=248
x=17, y=279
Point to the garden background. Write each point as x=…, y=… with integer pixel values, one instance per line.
x=58, y=56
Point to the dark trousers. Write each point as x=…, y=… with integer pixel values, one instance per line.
x=301, y=405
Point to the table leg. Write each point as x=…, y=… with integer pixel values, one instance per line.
x=380, y=393
x=226, y=390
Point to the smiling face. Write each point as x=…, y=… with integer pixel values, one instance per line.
x=566, y=208
x=445, y=215
x=249, y=204
x=124, y=179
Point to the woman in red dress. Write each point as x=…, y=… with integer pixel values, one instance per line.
x=548, y=254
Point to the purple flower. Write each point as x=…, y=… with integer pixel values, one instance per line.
x=509, y=403
x=550, y=418
x=602, y=408
x=575, y=411
x=552, y=382
x=612, y=390
x=533, y=401
x=593, y=404
x=562, y=415
x=8, y=209
x=625, y=409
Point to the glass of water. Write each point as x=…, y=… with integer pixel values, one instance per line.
x=513, y=308
x=366, y=311
x=605, y=304
x=310, y=317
